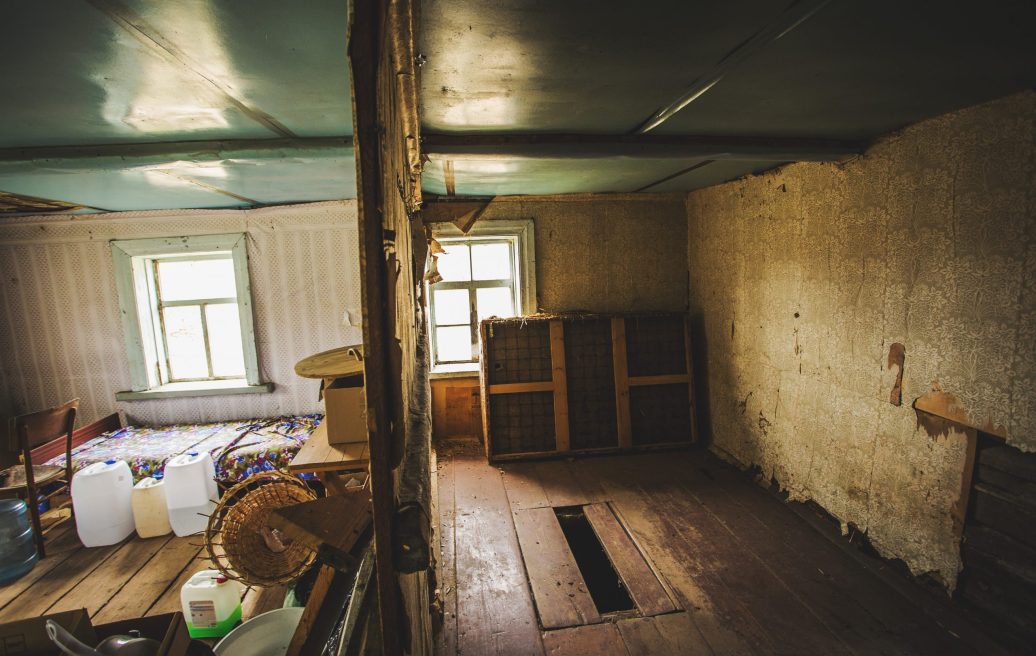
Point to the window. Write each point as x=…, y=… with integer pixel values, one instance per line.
x=488, y=272
x=187, y=313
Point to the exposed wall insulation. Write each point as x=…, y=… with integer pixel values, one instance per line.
x=803, y=279
x=605, y=254
x=60, y=333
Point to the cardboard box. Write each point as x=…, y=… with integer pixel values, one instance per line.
x=346, y=411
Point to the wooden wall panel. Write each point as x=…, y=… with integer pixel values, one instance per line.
x=456, y=408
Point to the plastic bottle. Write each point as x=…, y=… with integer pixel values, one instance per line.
x=102, y=499
x=190, y=492
x=150, y=514
x=211, y=604
x=17, y=547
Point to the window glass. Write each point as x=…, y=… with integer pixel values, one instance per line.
x=453, y=344
x=494, y=302
x=455, y=263
x=224, y=326
x=491, y=261
x=185, y=342
x=183, y=280
x=451, y=307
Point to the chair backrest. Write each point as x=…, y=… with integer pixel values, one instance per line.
x=46, y=425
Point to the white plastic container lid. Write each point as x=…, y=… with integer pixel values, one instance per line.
x=99, y=468
x=146, y=483
x=185, y=459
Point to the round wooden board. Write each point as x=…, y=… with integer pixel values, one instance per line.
x=331, y=364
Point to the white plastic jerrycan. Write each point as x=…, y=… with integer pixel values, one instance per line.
x=149, y=510
x=211, y=604
x=190, y=492
x=101, y=499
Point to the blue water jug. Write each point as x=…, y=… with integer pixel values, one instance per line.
x=17, y=547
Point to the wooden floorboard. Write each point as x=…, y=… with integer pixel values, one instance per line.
x=152, y=580
x=118, y=582
x=495, y=612
x=644, y=588
x=751, y=575
x=596, y=639
x=446, y=639
x=169, y=601
x=561, y=595
x=724, y=622
x=664, y=635
x=879, y=620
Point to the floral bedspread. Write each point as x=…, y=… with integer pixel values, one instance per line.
x=239, y=448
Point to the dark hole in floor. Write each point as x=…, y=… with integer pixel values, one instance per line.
x=602, y=582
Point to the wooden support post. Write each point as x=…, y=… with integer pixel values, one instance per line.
x=622, y=389
x=365, y=49
x=560, y=380
x=688, y=346
x=483, y=385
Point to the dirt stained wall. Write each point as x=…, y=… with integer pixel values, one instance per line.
x=802, y=280
x=603, y=253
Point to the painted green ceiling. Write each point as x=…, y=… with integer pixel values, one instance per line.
x=115, y=73
x=137, y=104
x=840, y=69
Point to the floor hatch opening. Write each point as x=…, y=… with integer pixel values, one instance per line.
x=602, y=581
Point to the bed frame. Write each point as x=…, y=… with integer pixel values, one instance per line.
x=56, y=447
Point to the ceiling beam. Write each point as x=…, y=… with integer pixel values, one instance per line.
x=151, y=38
x=578, y=146
x=129, y=155
x=798, y=12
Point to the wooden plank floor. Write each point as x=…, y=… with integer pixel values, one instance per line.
x=752, y=575
x=134, y=578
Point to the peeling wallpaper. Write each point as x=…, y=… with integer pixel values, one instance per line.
x=60, y=333
x=605, y=253
x=803, y=278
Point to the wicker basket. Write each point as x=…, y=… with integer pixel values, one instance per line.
x=240, y=542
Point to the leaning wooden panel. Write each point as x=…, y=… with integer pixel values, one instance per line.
x=560, y=386
x=591, y=383
x=610, y=379
x=622, y=392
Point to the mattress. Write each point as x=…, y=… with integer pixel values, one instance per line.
x=238, y=448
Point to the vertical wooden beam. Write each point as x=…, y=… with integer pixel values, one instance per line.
x=560, y=378
x=688, y=346
x=620, y=366
x=483, y=386
x=364, y=55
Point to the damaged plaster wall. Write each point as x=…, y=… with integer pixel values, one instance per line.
x=802, y=280
x=605, y=253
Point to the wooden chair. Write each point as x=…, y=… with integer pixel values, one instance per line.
x=33, y=430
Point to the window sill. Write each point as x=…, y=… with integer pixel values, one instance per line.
x=466, y=370
x=203, y=388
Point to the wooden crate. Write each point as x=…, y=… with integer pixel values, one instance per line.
x=580, y=383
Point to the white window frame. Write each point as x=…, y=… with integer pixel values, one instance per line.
x=134, y=260
x=521, y=234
